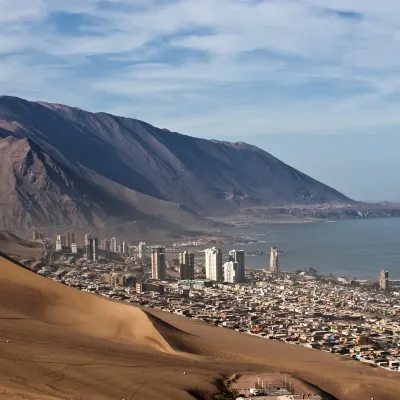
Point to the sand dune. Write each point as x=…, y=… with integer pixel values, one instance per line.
x=17, y=247
x=55, y=304
x=66, y=344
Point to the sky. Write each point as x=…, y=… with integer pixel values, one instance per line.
x=314, y=82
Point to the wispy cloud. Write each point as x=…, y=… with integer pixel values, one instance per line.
x=226, y=68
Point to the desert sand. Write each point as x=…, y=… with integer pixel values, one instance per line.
x=67, y=344
x=19, y=248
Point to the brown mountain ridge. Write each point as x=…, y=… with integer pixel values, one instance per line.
x=65, y=166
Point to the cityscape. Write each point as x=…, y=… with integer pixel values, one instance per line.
x=354, y=318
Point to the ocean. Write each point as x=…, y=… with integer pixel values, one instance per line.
x=355, y=248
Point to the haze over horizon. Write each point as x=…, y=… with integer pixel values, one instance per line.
x=316, y=83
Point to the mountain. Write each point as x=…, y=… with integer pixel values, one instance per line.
x=62, y=165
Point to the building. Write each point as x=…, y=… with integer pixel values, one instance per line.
x=88, y=236
x=394, y=284
x=70, y=238
x=106, y=245
x=74, y=248
x=231, y=272
x=89, y=250
x=198, y=284
x=118, y=279
x=158, y=263
x=384, y=280
x=186, y=265
x=238, y=257
x=58, y=245
x=113, y=245
x=61, y=238
x=95, y=249
x=274, y=260
x=142, y=250
x=37, y=235
x=213, y=260
x=149, y=287
x=125, y=247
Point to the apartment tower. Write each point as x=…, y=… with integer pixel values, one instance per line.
x=88, y=237
x=71, y=238
x=384, y=280
x=158, y=263
x=142, y=250
x=274, y=260
x=186, y=265
x=61, y=238
x=106, y=245
x=113, y=245
x=238, y=257
x=231, y=272
x=213, y=260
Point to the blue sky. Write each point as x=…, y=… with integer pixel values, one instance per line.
x=292, y=76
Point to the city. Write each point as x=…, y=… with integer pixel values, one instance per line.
x=354, y=318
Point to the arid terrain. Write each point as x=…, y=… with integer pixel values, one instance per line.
x=60, y=343
x=18, y=248
x=60, y=165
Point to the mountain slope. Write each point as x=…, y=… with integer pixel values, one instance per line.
x=208, y=177
x=39, y=190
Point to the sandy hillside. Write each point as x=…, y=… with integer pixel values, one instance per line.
x=17, y=247
x=66, y=344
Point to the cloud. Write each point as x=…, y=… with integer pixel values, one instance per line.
x=226, y=68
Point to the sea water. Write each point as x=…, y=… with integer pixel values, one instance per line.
x=358, y=248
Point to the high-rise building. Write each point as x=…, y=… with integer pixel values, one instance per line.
x=186, y=265
x=58, y=245
x=61, y=238
x=231, y=272
x=238, y=257
x=125, y=247
x=106, y=245
x=74, y=248
x=113, y=245
x=88, y=236
x=158, y=263
x=70, y=238
x=213, y=259
x=142, y=250
x=36, y=235
x=384, y=280
x=274, y=260
x=89, y=250
x=95, y=249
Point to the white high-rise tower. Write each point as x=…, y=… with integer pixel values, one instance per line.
x=113, y=245
x=213, y=259
x=231, y=272
x=142, y=250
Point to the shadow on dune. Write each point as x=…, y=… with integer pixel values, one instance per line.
x=25, y=294
x=178, y=339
